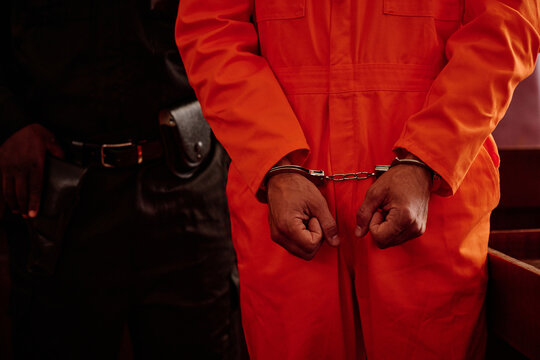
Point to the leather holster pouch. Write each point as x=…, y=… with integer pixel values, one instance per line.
x=62, y=182
x=186, y=137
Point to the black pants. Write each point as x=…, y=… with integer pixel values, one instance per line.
x=145, y=249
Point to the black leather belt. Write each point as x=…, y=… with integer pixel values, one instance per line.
x=118, y=155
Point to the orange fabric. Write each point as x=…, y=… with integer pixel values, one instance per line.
x=342, y=84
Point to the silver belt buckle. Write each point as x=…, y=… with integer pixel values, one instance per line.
x=104, y=163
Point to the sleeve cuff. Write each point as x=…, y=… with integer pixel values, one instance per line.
x=297, y=156
x=441, y=185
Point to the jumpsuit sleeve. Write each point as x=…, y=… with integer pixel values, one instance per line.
x=239, y=94
x=495, y=48
x=11, y=115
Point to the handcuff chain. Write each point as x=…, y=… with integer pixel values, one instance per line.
x=318, y=177
x=362, y=175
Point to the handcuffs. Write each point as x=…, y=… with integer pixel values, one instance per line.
x=319, y=178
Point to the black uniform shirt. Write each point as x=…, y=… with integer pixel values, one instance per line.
x=93, y=70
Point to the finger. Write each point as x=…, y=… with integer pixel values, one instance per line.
x=303, y=237
x=315, y=228
x=21, y=192
x=371, y=203
x=8, y=188
x=296, y=238
x=383, y=229
x=295, y=247
x=35, y=188
x=280, y=238
x=409, y=230
x=376, y=221
x=326, y=221
x=393, y=230
x=55, y=149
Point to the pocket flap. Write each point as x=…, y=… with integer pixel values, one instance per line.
x=279, y=9
x=447, y=10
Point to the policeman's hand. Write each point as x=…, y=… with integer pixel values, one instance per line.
x=299, y=216
x=396, y=206
x=22, y=158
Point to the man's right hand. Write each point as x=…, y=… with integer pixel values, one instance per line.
x=22, y=158
x=299, y=216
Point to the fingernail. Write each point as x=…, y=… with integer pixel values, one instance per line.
x=358, y=231
x=32, y=213
x=335, y=239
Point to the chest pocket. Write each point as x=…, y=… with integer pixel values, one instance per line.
x=279, y=9
x=445, y=10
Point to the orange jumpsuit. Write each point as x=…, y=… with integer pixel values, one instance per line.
x=346, y=82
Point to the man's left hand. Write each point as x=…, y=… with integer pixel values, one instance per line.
x=396, y=206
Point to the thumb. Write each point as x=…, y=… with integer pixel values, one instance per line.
x=55, y=149
x=326, y=220
x=371, y=203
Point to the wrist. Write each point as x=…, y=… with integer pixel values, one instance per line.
x=262, y=192
x=284, y=161
x=284, y=171
x=406, y=158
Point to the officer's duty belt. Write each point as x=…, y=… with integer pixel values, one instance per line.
x=119, y=155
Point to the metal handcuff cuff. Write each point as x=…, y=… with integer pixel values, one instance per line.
x=318, y=177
